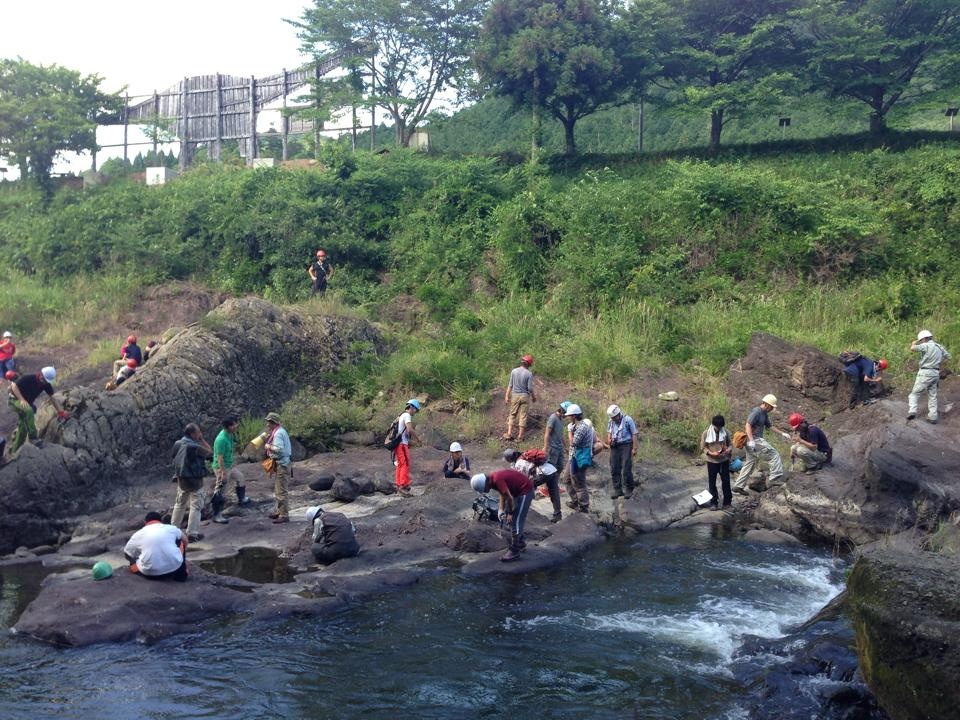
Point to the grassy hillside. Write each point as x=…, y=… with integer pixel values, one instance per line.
x=604, y=270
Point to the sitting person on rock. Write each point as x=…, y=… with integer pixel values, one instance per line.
x=811, y=449
x=334, y=536
x=516, y=496
x=129, y=351
x=150, y=350
x=457, y=465
x=157, y=550
x=126, y=372
x=7, y=351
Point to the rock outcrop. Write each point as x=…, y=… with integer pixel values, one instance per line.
x=906, y=615
x=246, y=357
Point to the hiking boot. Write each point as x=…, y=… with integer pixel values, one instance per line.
x=522, y=545
x=220, y=519
x=556, y=517
x=740, y=490
x=38, y=444
x=583, y=508
x=618, y=495
x=281, y=520
x=572, y=505
x=195, y=538
x=510, y=555
x=403, y=491
x=274, y=515
x=911, y=416
x=871, y=401
x=932, y=421
x=714, y=507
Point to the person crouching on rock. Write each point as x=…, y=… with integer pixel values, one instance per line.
x=334, y=536
x=757, y=448
x=157, y=551
x=189, y=453
x=279, y=452
x=812, y=448
x=715, y=443
x=126, y=372
x=458, y=464
x=516, y=496
x=23, y=394
x=223, y=470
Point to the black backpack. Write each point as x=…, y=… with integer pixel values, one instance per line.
x=394, y=436
x=849, y=356
x=485, y=507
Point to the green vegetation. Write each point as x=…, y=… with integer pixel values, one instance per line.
x=630, y=266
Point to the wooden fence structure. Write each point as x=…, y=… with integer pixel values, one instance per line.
x=208, y=109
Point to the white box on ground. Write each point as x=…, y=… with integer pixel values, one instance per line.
x=159, y=175
x=263, y=162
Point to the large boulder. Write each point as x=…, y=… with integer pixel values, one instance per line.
x=906, y=615
x=246, y=357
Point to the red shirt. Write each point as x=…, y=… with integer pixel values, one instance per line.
x=7, y=351
x=510, y=482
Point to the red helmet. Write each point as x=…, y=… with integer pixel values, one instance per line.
x=795, y=419
x=527, y=360
x=321, y=254
x=882, y=364
x=10, y=375
x=132, y=339
x=131, y=363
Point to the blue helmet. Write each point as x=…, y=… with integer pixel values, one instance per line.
x=564, y=405
x=414, y=403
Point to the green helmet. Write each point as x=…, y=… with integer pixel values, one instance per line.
x=102, y=570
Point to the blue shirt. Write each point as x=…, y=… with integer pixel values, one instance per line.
x=817, y=436
x=622, y=432
x=281, y=443
x=862, y=367
x=758, y=421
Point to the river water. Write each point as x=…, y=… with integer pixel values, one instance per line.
x=653, y=627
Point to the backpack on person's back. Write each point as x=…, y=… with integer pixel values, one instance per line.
x=394, y=437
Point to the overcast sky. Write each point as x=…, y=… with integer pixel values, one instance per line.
x=147, y=46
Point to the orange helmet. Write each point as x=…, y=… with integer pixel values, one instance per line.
x=527, y=360
x=795, y=419
x=131, y=363
x=882, y=364
x=132, y=339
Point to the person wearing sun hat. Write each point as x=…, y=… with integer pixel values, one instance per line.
x=757, y=448
x=277, y=443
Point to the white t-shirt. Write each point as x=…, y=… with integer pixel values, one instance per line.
x=156, y=549
x=405, y=419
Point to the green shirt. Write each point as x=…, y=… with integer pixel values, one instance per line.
x=223, y=445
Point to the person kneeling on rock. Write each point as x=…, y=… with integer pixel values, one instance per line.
x=812, y=448
x=458, y=464
x=334, y=536
x=516, y=496
x=157, y=550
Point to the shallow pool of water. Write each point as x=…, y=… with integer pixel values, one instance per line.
x=648, y=628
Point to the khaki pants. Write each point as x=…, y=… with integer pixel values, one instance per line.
x=764, y=451
x=928, y=381
x=280, y=484
x=224, y=476
x=810, y=459
x=518, y=412
x=193, y=500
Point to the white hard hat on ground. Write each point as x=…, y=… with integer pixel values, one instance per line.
x=613, y=411
x=455, y=447
x=924, y=335
x=770, y=400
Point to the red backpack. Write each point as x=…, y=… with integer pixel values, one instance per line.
x=535, y=455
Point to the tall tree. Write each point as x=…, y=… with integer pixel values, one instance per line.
x=881, y=52
x=724, y=56
x=46, y=111
x=408, y=51
x=559, y=57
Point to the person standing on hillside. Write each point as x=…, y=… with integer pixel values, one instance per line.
x=23, y=396
x=224, y=471
x=320, y=272
x=622, y=441
x=401, y=453
x=581, y=458
x=279, y=452
x=811, y=448
x=189, y=453
x=715, y=443
x=863, y=374
x=555, y=452
x=757, y=448
x=518, y=396
x=932, y=356
x=7, y=350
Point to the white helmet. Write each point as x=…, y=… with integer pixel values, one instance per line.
x=8, y=334
x=573, y=409
x=613, y=411
x=770, y=400
x=312, y=512
x=49, y=373
x=455, y=447
x=924, y=335
x=479, y=482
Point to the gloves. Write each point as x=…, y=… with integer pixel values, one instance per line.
x=786, y=436
x=63, y=415
x=501, y=516
x=751, y=446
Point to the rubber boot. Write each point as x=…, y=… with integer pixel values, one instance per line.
x=514, y=552
x=242, y=499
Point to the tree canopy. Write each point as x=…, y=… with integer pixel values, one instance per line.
x=48, y=110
